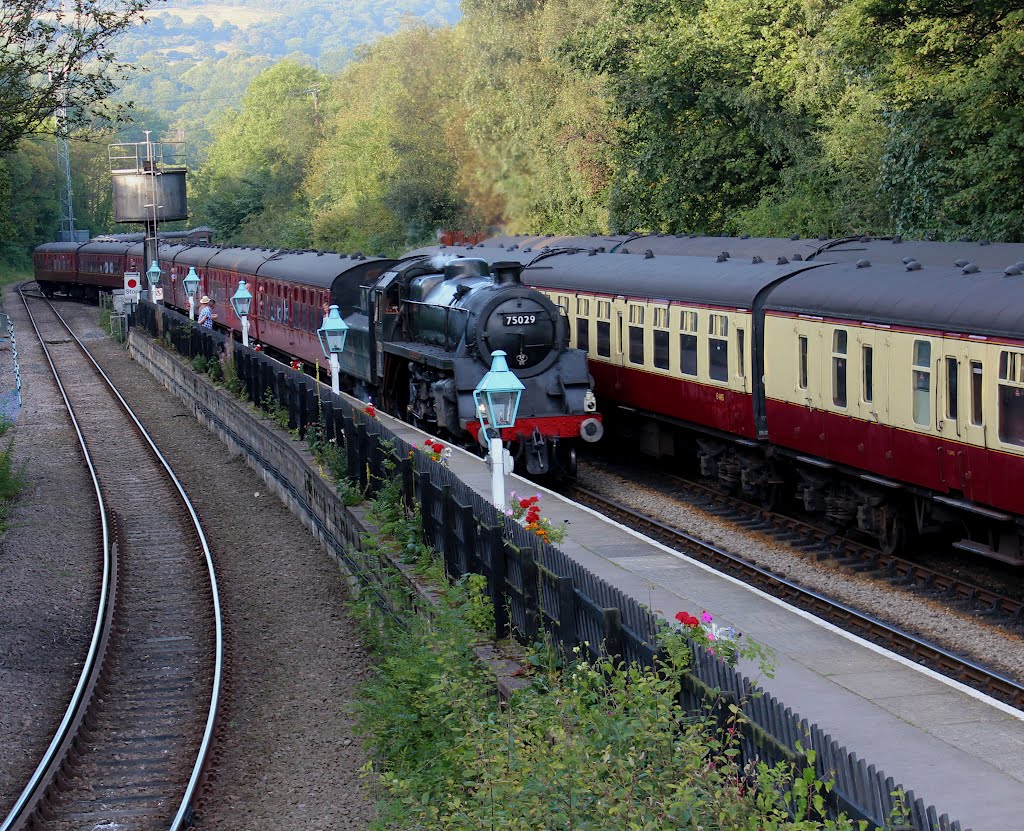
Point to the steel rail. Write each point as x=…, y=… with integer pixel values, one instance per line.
x=938, y=658
x=35, y=788
x=181, y=817
x=863, y=557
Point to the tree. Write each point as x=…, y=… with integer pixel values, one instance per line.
x=54, y=53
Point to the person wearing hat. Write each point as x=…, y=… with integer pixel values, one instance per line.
x=206, y=314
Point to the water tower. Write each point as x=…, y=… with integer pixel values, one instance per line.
x=149, y=185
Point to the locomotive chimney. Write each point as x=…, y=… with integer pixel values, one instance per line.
x=507, y=273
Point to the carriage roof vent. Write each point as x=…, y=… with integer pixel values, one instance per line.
x=913, y=265
x=592, y=252
x=970, y=268
x=795, y=237
x=648, y=254
x=866, y=238
x=623, y=250
x=822, y=237
x=721, y=258
x=797, y=258
x=725, y=254
x=961, y=263
x=1013, y=271
x=781, y=261
x=513, y=247
x=1019, y=264
x=897, y=239
x=506, y=273
x=745, y=236
x=911, y=259
x=862, y=263
x=528, y=249
x=756, y=260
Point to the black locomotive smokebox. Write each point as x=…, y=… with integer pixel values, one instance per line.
x=466, y=267
x=507, y=273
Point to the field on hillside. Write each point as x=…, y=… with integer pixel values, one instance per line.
x=217, y=13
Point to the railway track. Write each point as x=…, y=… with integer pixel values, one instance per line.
x=134, y=742
x=855, y=555
x=870, y=628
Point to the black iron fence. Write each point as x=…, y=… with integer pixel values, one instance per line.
x=534, y=586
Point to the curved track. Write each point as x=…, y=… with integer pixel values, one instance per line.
x=133, y=745
x=849, y=619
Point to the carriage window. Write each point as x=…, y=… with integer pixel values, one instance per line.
x=952, y=370
x=636, y=344
x=636, y=334
x=976, y=396
x=604, y=338
x=741, y=349
x=839, y=367
x=661, y=337
x=718, y=347
x=922, y=382
x=867, y=354
x=563, y=303
x=688, y=343
x=583, y=334
x=1011, y=398
x=802, y=358
x=604, y=328
x=661, y=348
x=583, y=306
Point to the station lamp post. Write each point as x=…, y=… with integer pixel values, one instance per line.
x=191, y=284
x=153, y=274
x=241, y=301
x=497, y=402
x=332, y=341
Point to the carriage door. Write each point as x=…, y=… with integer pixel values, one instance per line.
x=953, y=401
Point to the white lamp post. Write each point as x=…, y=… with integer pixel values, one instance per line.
x=497, y=401
x=332, y=341
x=191, y=284
x=153, y=275
x=241, y=301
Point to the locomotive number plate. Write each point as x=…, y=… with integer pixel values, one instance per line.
x=520, y=320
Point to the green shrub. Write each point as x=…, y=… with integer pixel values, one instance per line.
x=199, y=364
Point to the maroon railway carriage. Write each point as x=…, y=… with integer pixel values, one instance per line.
x=289, y=289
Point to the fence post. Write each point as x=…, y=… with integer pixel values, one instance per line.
x=566, y=589
x=301, y=408
x=497, y=583
x=531, y=591
x=408, y=483
x=611, y=632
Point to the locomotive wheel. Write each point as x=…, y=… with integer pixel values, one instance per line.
x=892, y=536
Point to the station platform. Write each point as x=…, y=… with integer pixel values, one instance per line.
x=954, y=747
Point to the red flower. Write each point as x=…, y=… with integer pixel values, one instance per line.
x=687, y=619
x=524, y=503
x=437, y=447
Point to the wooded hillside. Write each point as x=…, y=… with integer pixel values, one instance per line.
x=704, y=116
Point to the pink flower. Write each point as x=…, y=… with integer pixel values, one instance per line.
x=704, y=616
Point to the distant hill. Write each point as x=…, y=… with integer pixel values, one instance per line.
x=196, y=57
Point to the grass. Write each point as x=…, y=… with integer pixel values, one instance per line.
x=14, y=274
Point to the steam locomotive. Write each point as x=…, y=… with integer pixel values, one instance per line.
x=421, y=330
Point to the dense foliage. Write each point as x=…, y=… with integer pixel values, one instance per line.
x=766, y=117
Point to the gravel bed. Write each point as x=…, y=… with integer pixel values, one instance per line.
x=49, y=566
x=289, y=756
x=989, y=645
